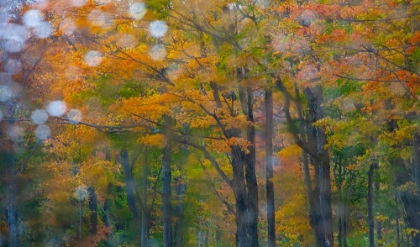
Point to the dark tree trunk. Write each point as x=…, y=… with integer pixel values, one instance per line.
x=11, y=201
x=219, y=234
x=245, y=190
x=93, y=207
x=166, y=187
x=378, y=222
x=342, y=206
x=325, y=201
x=144, y=238
x=321, y=161
x=371, y=222
x=239, y=189
x=251, y=177
x=321, y=219
x=180, y=187
x=129, y=185
x=269, y=168
x=314, y=216
x=416, y=155
x=179, y=226
x=397, y=218
x=131, y=191
x=8, y=161
x=106, y=218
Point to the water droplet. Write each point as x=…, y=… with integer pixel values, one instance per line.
x=15, y=36
x=309, y=73
x=279, y=43
x=81, y=193
x=68, y=26
x=42, y=132
x=39, y=117
x=263, y=3
x=56, y=108
x=127, y=41
x=43, y=30
x=77, y=3
x=4, y=16
x=14, y=44
x=99, y=18
x=74, y=116
x=32, y=18
x=15, y=89
x=73, y=73
x=40, y=4
x=5, y=93
x=307, y=18
x=397, y=88
x=103, y=2
x=16, y=133
x=5, y=78
x=137, y=10
x=158, y=52
x=93, y=58
x=14, y=66
x=158, y=29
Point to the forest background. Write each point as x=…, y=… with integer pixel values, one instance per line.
x=209, y=123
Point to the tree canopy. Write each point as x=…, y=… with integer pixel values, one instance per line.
x=209, y=123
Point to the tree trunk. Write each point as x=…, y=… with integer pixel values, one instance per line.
x=179, y=226
x=325, y=202
x=397, y=218
x=245, y=190
x=144, y=238
x=269, y=168
x=129, y=184
x=93, y=207
x=321, y=161
x=106, y=218
x=7, y=160
x=371, y=223
x=314, y=216
x=180, y=193
x=342, y=206
x=166, y=187
x=11, y=202
x=251, y=177
x=378, y=222
x=130, y=190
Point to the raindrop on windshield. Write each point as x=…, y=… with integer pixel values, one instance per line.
x=127, y=41
x=43, y=30
x=14, y=66
x=56, y=108
x=77, y=3
x=137, y=10
x=68, y=26
x=5, y=93
x=93, y=58
x=74, y=116
x=42, y=132
x=158, y=52
x=16, y=132
x=39, y=117
x=158, y=29
x=81, y=193
x=32, y=18
x=99, y=18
